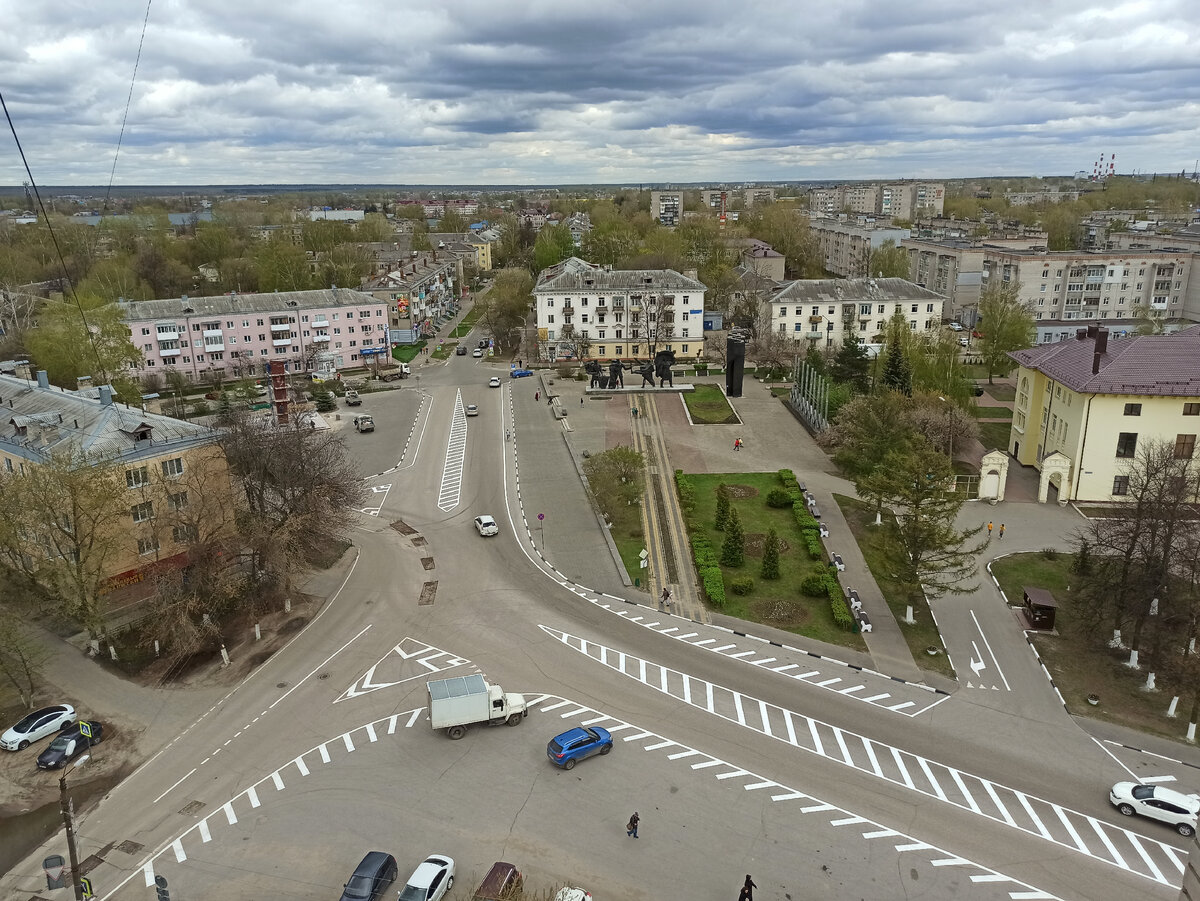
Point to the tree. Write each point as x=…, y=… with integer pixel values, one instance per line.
x=503, y=310
x=1006, y=324
x=22, y=657
x=733, y=551
x=615, y=478
x=374, y=228
x=721, y=520
x=282, y=266
x=770, y=561
x=453, y=222
x=781, y=226
x=851, y=366
x=553, y=245
x=925, y=548
x=888, y=261
x=897, y=374
x=67, y=348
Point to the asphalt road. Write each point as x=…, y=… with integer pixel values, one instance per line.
x=741, y=757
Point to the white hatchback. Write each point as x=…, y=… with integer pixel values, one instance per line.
x=572, y=894
x=1163, y=804
x=486, y=526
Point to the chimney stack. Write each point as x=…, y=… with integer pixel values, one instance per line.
x=43, y=379
x=1080, y=333
x=1091, y=330
x=1096, y=363
x=1101, y=341
x=106, y=396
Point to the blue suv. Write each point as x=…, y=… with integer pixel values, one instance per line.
x=577, y=744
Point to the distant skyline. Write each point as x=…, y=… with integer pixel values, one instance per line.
x=485, y=93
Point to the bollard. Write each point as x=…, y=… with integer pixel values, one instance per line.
x=287, y=605
x=112, y=652
x=908, y=615
x=1174, y=704
x=156, y=647
x=224, y=656
x=257, y=632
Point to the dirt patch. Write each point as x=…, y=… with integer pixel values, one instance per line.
x=781, y=612
x=742, y=491
x=756, y=541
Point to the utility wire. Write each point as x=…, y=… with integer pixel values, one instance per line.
x=68, y=285
x=128, y=102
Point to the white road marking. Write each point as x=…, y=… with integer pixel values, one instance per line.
x=168, y=791
x=377, y=490
x=450, y=492
x=987, y=644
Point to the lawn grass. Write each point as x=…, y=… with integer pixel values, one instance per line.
x=781, y=390
x=993, y=413
x=924, y=632
x=468, y=322
x=1083, y=664
x=406, y=353
x=994, y=435
x=777, y=602
x=627, y=534
x=708, y=406
x=1000, y=392
x=444, y=352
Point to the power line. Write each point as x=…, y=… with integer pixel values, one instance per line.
x=128, y=101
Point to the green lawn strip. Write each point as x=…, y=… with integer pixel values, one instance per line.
x=627, y=534
x=406, y=353
x=924, y=633
x=708, y=406
x=444, y=352
x=993, y=413
x=1081, y=664
x=994, y=435
x=782, y=391
x=1001, y=392
x=776, y=602
x=468, y=322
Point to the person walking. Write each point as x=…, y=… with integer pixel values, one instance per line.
x=1001, y=531
x=989, y=530
x=737, y=444
x=631, y=826
x=747, y=889
x=581, y=401
x=666, y=598
x=537, y=395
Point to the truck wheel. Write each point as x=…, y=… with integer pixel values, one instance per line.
x=514, y=719
x=456, y=732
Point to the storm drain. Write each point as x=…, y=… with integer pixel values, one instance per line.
x=419, y=541
x=129, y=846
x=403, y=528
x=428, y=593
x=192, y=808
x=427, y=562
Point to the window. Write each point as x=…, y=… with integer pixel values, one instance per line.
x=184, y=533
x=1185, y=447
x=178, y=500
x=1133, y=409
x=1127, y=444
x=1121, y=485
x=1191, y=409
x=147, y=545
x=136, y=478
x=783, y=311
x=142, y=512
x=173, y=467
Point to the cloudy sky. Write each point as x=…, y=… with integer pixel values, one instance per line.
x=612, y=91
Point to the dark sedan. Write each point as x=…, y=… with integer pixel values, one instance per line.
x=72, y=741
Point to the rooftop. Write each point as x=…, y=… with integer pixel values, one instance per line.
x=224, y=304
x=835, y=290
x=575, y=274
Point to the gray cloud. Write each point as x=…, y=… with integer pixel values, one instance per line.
x=471, y=92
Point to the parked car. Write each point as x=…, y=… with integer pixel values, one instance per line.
x=37, y=726
x=68, y=743
x=978, y=389
x=376, y=872
x=477, y=353
x=482, y=343
x=964, y=342
x=486, y=526
x=572, y=894
x=493, y=382
x=577, y=744
x=364, y=423
x=520, y=373
x=955, y=326
x=461, y=350
x=503, y=882
x=352, y=398
x=472, y=410
x=1163, y=804
x=431, y=880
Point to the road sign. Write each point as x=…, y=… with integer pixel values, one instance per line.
x=86, y=885
x=85, y=729
x=541, y=516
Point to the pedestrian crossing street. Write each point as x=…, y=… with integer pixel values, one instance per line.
x=1161, y=862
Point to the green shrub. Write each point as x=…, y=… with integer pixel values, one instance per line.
x=721, y=519
x=838, y=607
x=686, y=492
x=733, y=551
x=714, y=586
x=788, y=478
x=770, y=561
x=804, y=519
x=742, y=585
x=779, y=498
x=814, y=585
x=813, y=542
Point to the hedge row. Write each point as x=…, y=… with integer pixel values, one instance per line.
x=708, y=569
x=838, y=607
x=686, y=492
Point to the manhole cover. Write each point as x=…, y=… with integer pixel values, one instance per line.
x=403, y=528
x=281, y=685
x=192, y=808
x=419, y=541
x=129, y=846
x=428, y=593
x=427, y=562
x=323, y=676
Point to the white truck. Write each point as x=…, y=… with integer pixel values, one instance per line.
x=455, y=704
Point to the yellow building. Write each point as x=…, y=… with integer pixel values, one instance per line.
x=1085, y=406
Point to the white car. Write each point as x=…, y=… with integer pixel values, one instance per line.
x=431, y=880
x=472, y=410
x=477, y=353
x=964, y=342
x=37, y=726
x=1157, y=803
x=486, y=526
x=955, y=326
x=494, y=382
x=572, y=894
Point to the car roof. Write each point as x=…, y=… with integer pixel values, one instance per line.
x=372, y=862
x=572, y=735
x=485, y=519
x=429, y=868
x=1188, y=802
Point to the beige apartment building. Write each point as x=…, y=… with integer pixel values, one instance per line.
x=822, y=312
x=1086, y=406
x=666, y=207
x=897, y=200
x=846, y=247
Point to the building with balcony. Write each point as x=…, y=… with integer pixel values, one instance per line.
x=237, y=335
x=587, y=311
x=847, y=247
x=897, y=200
x=666, y=207
x=1087, y=405
x=420, y=295
x=822, y=312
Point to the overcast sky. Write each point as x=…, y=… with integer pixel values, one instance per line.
x=569, y=91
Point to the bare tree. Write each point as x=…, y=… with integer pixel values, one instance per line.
x=21, y=656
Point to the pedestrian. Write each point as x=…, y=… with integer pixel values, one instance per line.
x=748, y=888
x=666, y=598
x=631, y=827
x=581, y=401
x=537, y=395
x=989, y=530
x=1001, y=531
x=737, y=444
x=635, y=412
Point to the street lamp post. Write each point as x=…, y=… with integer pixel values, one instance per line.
x=68, y=813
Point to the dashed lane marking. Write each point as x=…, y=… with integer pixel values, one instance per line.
x=1064, y=827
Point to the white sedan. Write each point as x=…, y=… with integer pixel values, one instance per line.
x=431, y=880
x=486, y=526
x=493, y=382
x=1157, y=803
x=36, y=726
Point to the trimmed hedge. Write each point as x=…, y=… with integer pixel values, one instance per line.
x=813, y=586
x=838, y=607
x=742, y=585
x=686, y=492
x=709, y=570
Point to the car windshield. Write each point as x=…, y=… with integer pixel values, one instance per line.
x=359, y=886
x=1142, y=792
x=59, y=744
x=412, y=893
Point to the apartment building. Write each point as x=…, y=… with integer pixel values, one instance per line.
x=420, y=295
x=666, y=207
x=847, y=247
x=1086, y=405
x=236, y=335
x=174, y=473
x=745, y=198
x=760, y=257
x=822, y=312
x=587, y=311
x=1062, y=287
x=897, y=200
x=473, y=250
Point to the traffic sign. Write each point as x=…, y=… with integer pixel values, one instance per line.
x=541, y=516
x=85, y=729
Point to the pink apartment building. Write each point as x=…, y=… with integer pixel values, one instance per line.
x=236, y=335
